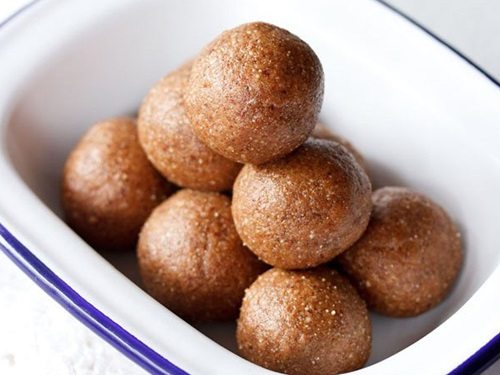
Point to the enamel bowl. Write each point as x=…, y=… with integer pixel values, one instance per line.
x=422, y=115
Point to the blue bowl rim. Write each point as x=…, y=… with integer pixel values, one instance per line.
x=131, y=346
x=84, y=311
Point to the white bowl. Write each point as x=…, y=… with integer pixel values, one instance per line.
x=423, y=116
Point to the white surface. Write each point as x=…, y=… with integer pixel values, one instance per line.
x=7, y=7
x=472, y=26
x=39, y=337
x=384, y=89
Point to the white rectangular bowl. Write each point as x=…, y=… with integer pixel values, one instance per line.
x=422, y=115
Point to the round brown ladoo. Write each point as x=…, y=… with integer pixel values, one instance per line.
x=170, y=144
x=322, y=132
x=109, y=187
x=409, y=256
x=304, y=323
x=255, y=93
x=191, y=258
x=304, y=209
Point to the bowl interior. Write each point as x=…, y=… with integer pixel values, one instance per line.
x=407, y=134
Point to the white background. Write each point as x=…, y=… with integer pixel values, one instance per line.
x=472, y=26
x=51, y=342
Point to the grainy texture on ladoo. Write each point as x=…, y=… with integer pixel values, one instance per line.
x=304, y=209
x=304, y=323
x=170, y=144
x=409, y=256
x=109, y=187
x=191, y=258
x=322, y=132
x=255, y=93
